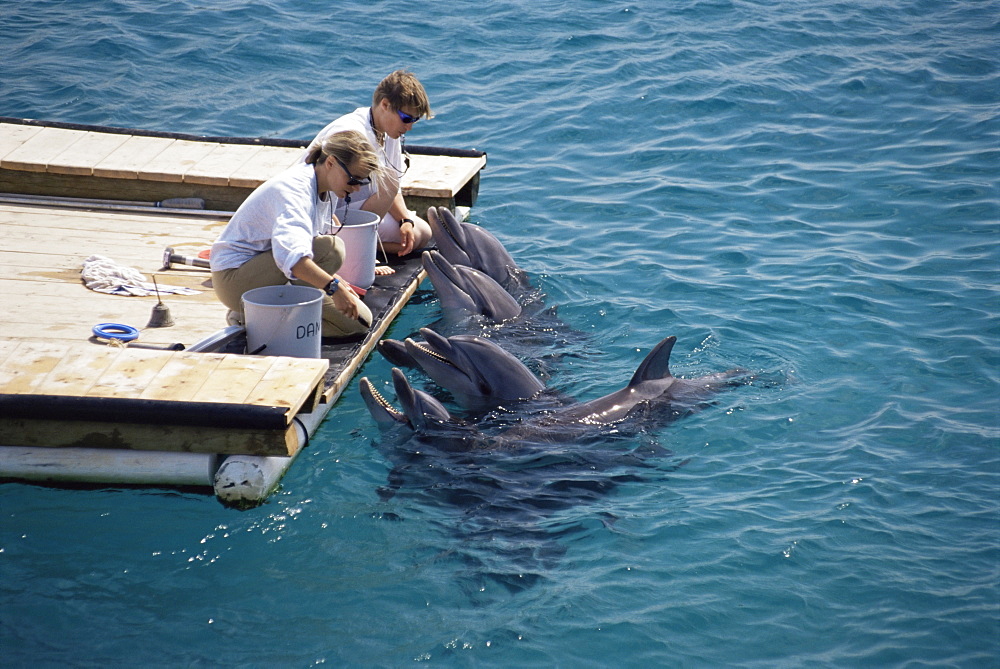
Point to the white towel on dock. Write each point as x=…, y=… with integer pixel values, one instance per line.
x=105, y=276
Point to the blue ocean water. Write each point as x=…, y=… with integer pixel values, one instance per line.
x=808, y=190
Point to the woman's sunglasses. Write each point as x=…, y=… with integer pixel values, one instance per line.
x=351, y=179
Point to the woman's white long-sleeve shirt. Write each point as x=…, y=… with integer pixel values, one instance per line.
x=282, y=215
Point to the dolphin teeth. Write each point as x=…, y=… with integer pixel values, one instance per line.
x=446, y=226
x=434, y=354
x=383, y=402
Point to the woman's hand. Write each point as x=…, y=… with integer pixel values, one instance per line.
x=346, y=301
x=406, y=236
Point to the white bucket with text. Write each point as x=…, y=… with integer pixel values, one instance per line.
x=284, y=320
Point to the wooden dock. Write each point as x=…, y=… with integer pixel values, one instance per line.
x=73, y=407
x=56, y=395
x=72, y=160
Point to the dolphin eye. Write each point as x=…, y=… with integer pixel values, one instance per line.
x=484, y=389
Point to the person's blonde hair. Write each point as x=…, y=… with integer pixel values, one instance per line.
x=402, y=89
x=349, y=146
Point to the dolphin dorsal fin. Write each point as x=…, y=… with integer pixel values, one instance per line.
x=657, y=363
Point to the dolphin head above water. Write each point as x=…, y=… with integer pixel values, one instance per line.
x=394, y=351
x=418, y=409
x=466, y=289
x=477, y=372
x=473, y=246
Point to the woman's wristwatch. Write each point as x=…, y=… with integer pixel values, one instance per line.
x=407, y=220
x=332, y=287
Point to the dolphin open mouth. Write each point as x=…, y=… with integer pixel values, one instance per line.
x=418, y=410
x=381, y=409
x=431, y=352
x=438, y=349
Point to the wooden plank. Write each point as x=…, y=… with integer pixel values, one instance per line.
x=148, y=221
x=180, y=378
x=172, y=163
x=144, y=252
x=7, y=348
x=149, y=218
x=228, y=383
x=263, y=165
x=13, y=135
x=77, y=333
x=218, y=198
x=130, y=373
x=28, y=366
x=77, y=371
x=439, y=176
x=134, y=436
x=289, y=383
x=215, y=168
x=81, y=156
x=35, y=153
x=127, y=160
x=91, y=305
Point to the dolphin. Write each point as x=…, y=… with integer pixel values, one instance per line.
x=651, y=396
x=477, y=372
x=419, y=409
x=513, y=502
x=464, y=289
x=473, y=246
x=394, y=351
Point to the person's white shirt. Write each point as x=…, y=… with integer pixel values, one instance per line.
x=282, y=215
x=390, y=154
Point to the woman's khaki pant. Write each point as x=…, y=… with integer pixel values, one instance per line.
x=260, y=271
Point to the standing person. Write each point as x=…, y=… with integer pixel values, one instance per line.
x=399, y=101
x=280, y=233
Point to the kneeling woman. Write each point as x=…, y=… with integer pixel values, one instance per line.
x=280, y=234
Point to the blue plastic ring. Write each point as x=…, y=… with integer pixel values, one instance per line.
x=116, y=331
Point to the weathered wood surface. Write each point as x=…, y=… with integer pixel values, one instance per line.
x=42, y=254
x=64, y=371
x=183, y=168
x=39, y=368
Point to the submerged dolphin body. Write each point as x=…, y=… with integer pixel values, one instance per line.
x=473, y=246
x=513, y=509
x=513, y=492
x=477, y=372
x=653, y=395
x=466, y=290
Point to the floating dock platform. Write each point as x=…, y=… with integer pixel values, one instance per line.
x=181, y=405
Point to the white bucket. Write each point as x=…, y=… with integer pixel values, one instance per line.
x=284, y=320
x=359, y=230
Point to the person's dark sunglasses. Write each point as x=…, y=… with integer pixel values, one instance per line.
x=406, y=118
x=351, y=179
